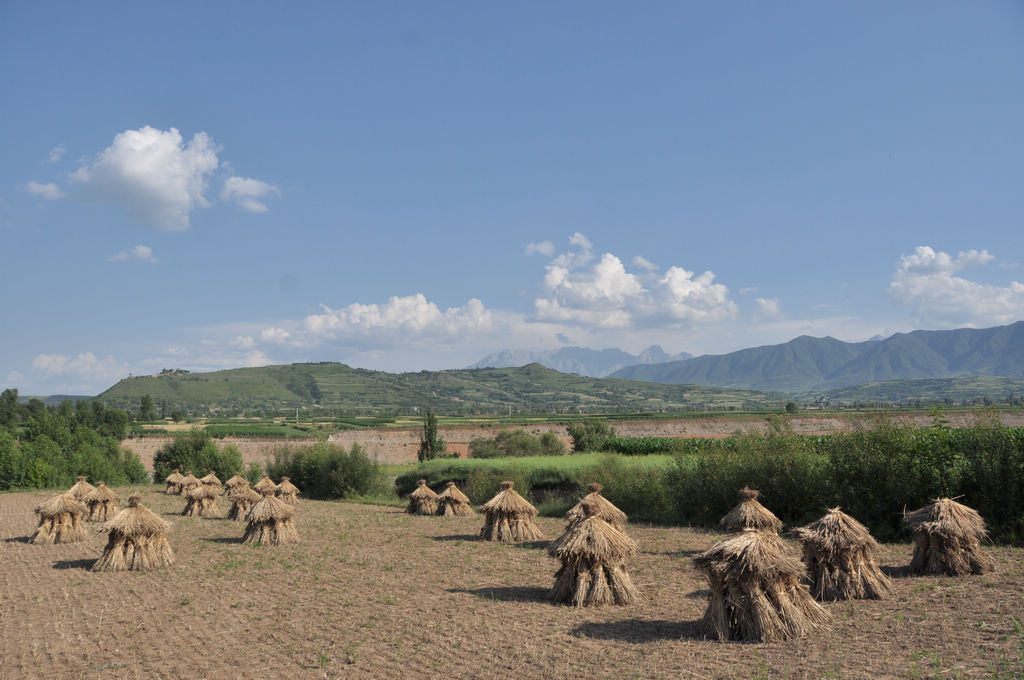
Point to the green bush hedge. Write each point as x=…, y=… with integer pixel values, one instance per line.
x=516, y=444
x=195, y=451
x=328, y=471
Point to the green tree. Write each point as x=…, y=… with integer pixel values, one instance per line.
x=791, y=407
x=431, y=443
x=8, y=407
x=590, y=435
x=146, y=408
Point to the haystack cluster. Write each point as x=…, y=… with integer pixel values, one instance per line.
x=137, y=540
x=838, y=555
x=947, y=539
x=422, y=500
x=102, y=503
x=270, y=521
x=60, y=520
x=453, y=503
x=509, y=518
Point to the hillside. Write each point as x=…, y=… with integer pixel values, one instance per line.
x=580, y=360
x=337, y=386
x=979, y=389
x=806, y=363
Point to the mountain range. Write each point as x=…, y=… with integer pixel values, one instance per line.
x=593, y=363
x=807, y=364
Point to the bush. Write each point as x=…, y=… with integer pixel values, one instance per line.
x=516, y=444
x=328, y=471
x=590, y=435
x=196, y=451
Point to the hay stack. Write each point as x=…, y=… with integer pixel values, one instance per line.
x=235, y=484
x=189, y=482
x=270, y=522
x=81, y=489
x=287, y=492
x=756, y=593
x=242, y=501
x=947, y=540
x=750, y=514
x=422, y=500
x=211, y=480
x=138, y=540
x=453, y=503
x=202, y=501
x=509, y=518
x=60, y=520
x=174, y=481
x=102, y=503
x=837, y=553
x=264, y=483
x=606, y=510
x=593, y=555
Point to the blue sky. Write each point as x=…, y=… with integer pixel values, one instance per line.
x=408, y=185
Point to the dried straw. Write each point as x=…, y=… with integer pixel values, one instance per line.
x=422, y=500
x=234, y=484
x=750, y=514
x=81, y=489
x=211, y=480
x=270, y=522
x=102, y=503
x=947, y=540
x=837, y=553
x=593, y=555
x=189, y=482
x=60, y=520
x=606, y=510
x=756, y=593
x=242, y=501
x=174, y=481
x=453, y=503
x=138, y=540
x=202, y=501
x=265, y=482
x=509, y=518
x=287, y=492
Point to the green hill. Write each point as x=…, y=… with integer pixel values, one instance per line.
x=337, y=386
x=967, y=390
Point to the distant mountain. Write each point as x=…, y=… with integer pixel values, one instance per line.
x=593, y=363
x=56, y=399
x=966, y=390
x=807, y=364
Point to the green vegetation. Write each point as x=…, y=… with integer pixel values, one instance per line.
x=48, y=446
x=195, y=451
x=329, y=471
x=590, y=435
x=432, y=445
x=516, y=444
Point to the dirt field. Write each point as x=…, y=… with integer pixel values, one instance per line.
x=374, y=593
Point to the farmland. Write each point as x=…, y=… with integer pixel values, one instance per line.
x=351, y=601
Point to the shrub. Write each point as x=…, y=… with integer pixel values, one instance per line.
x=328, y=471
x=196, y=451
x=516, y=444
x=590, y=435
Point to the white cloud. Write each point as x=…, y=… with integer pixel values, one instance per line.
x=748, y=289
x=275, y=335
x=546, y=248
x=56, y=153
x=206, y=355
x=140, y=253
x=85, y=365
x=157, y=177
x=246, y=192
x=926, y=280
x=50, y=192
x=768, y=308
x=644, y=263
x=243, y=342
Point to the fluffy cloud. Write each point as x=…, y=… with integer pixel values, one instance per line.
x=768, y=308
x=607, y=296
x=139, y=253
x=247, y=192
x=158, y=177
x=644, y=263
x=546, y=248
x=84, y=365
x=50, y=192
x=56, y=153
x=926, y=280
x=275, y=335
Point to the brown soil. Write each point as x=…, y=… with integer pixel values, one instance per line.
x=374, y=593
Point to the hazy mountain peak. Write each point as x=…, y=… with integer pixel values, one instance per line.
x=594, y=363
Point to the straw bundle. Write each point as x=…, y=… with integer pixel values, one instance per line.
x=270, y=522
x=189, y=482
x=750, y=514
x=242, y=501
x=422, y=500
x=174, y=481
x=593, y=555
x=211, y=480
x=947, y=540
x=606, y=510
x=81, y=489
x=138, y=540
x=287, y=492
x=264, y=483
x=202, y=501
x=837, y=553
x=102, y=503
x=509, y=517
x=453, y=503
x=755, y=590
x=236, y=483
x=60, y=520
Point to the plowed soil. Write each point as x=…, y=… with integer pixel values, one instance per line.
x=374, y=593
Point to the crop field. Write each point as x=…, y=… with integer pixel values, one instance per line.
x=371, y=592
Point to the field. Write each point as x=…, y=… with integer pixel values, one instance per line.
x=371, y=593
